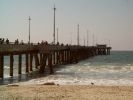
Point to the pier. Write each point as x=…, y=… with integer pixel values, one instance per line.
x=43, y=53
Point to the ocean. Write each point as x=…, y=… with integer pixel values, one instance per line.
x=113, y=69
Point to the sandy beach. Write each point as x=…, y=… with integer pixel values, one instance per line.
x=66, y=92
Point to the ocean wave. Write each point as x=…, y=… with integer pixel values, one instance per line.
x=108, y=68
x=102, y=68
x=86, y=64
x=98, y=82
x=6, y=67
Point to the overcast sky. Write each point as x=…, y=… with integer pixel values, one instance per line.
x=106, y=19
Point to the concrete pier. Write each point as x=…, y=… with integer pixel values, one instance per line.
x=54, y=54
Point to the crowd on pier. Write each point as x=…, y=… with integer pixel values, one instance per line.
x=6, y=41
x=2, y=41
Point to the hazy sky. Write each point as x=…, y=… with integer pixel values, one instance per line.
x=106, y=19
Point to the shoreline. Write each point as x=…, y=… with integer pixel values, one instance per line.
x=97, y=82
x=63, y=81
x=66, y=92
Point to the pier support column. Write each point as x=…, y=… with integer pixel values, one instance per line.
x=62, y=57
x=1, y=66
x=36, y=61
x=11, y=65
x=27, y=63
x=41, y=63
x=69, y=56
x=57, y=57
x=50, y=64
x=20, y=64
x=53, y=59
x=43, y=58
x=108, y=51
x=65, y=56
x=36, y=65
x=104, y=51
x=31, y=59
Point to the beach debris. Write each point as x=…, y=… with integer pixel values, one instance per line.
x=92, y=83
x=12, y=85
x=49, y=83
x=58, y=84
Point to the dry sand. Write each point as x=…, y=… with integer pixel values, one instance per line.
x=66, y=92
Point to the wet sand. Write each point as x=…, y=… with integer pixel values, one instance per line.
x=66, y=92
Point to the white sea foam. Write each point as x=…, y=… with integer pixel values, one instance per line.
x=6, y=76
x=6, y=67
x=108, y=68
x=86, y=64
x=98, y=82
x=116, y=69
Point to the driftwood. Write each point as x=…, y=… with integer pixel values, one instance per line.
x=49, y=83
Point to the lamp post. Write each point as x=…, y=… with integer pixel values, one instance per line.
x=54, y=26
x=29, y=28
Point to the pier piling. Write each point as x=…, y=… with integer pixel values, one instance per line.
x=53, y=59
x=31, y=59
x=20, y=64
x=27, y=63
x=50, y=64
x=36, y=61
x=1, y=66
x=11, y=65
x=43, y=59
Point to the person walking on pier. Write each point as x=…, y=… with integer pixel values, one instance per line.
x=7, y=41
x=16, y=41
